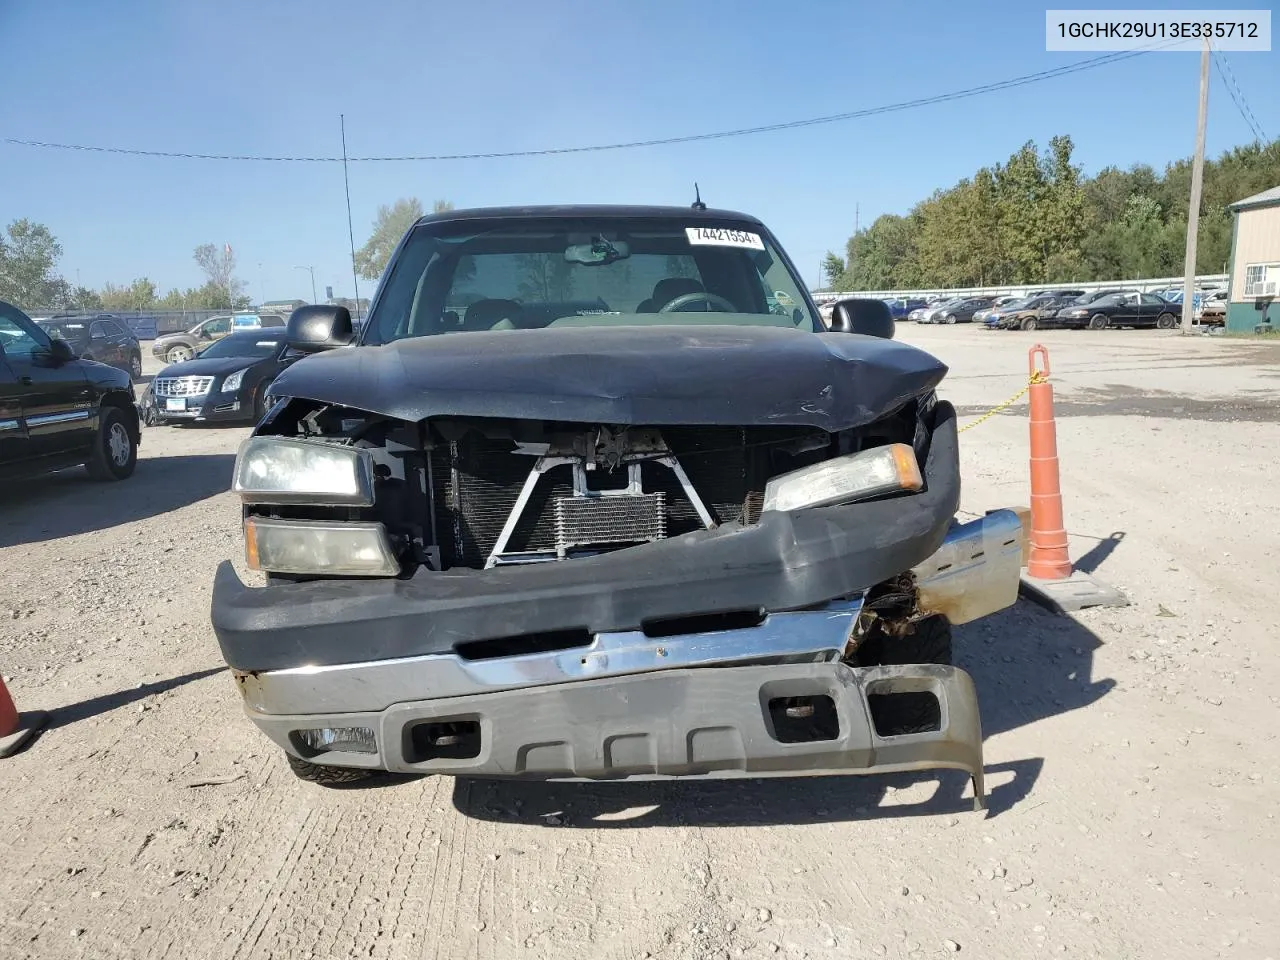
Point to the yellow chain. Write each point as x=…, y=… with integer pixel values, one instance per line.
x=1035, y=378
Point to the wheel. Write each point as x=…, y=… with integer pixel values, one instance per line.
x=1166, y=321
x=928, y=642
x=115, y=451
x=135, y=366
x=951, y=318
x=1029, y=323
x=1099, y=321
x=178, y=354
x=260, y=401
x=325, y=776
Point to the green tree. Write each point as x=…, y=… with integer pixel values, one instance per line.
x=1037, y=219
x=139, y=295
x=219, y=266
x=883, y=256
x=832, y=270
x=389, y=227
x=28, y=259
x=82, y=298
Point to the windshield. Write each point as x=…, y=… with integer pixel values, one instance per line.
x=513, y=274
x=1017, y=304
x=241, y=345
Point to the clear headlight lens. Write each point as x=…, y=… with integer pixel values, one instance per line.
x=320, y=547
x=233, y=382
x=280, y=470
x=857, y=476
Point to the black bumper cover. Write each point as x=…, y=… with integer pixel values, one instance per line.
x=787, y=561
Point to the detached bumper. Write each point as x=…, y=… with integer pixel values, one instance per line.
x=710, y=722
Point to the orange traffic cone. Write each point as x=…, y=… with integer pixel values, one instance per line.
x=1048, y=558
x=16, y=728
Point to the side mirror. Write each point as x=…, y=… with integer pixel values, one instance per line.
x=61, y=351
x=870, y=318
x=319, y=326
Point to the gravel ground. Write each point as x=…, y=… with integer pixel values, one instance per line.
x=1132, y=753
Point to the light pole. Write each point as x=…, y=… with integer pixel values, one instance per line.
x=312, y=271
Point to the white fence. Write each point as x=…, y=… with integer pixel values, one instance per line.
x=1207, y=281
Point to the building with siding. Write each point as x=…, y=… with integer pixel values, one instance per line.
x=1255, y=262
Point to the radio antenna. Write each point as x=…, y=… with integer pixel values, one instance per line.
x=697, y=198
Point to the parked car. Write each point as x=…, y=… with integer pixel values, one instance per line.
x=901, y=307
x=547, y=539
x=964, y=311
x=1129, y=309
x=58, y=410
x=935, y=313
x=180, y=347
x=1043, y=313
x=102, y=338
x=1011, y=315
x=227, y=380
x=980, y=316
x=918, y=313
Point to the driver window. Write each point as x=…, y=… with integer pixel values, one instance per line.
x=217, y=327
x=97, y=331
x=15, y=339
x=780, y=293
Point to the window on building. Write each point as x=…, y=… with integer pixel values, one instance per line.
x=1261, y=279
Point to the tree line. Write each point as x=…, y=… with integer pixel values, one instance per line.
x=29, y=254
x=1037, y=219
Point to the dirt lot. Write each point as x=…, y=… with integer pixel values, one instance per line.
x=1132, y=753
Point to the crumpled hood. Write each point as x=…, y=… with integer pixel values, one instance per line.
x=727, y=375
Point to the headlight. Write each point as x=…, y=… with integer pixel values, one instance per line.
x=857, y=476
x=233, y=382
x=278, y=470
x=308, y=546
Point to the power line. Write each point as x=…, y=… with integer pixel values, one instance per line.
x=1009, y=84
x=1237, y=95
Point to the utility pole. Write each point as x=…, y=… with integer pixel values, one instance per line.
x=312, y=271
x=1197, y=182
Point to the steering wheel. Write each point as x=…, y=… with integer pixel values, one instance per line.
x=713, y=299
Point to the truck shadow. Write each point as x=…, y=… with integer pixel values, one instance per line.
x=1028, y=665
x=68, y=503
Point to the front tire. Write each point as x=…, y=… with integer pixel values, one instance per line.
x=1166, y=321
x=951, y=318
x=326, y=776
x=178, y=354
x=1099, y=321
x=115, y=448
x=1029, y=323
x=929, y=641
x=135, y=366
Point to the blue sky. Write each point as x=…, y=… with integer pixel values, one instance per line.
x=272, y=76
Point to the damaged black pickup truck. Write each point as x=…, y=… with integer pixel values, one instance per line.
x=597, y=495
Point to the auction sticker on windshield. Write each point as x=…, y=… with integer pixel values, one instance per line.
x=723, y=237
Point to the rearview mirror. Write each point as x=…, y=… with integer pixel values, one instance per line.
x=862, y=315
x=600, y=252
x=319, y=326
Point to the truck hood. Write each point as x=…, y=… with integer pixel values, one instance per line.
x=686, y=375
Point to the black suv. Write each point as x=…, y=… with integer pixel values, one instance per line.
x=103, y=338
x=57, y=411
